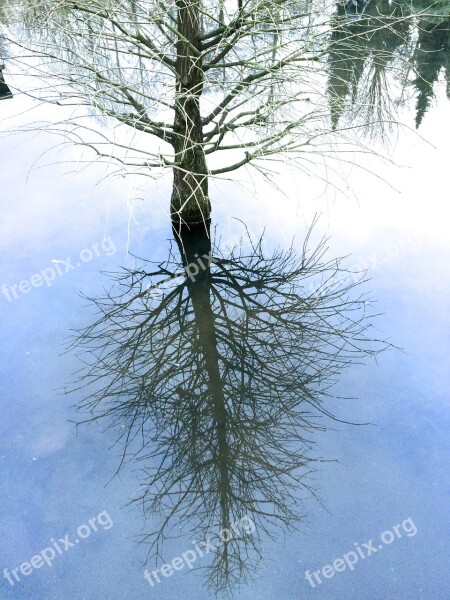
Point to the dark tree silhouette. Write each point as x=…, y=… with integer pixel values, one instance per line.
x=217, y=386
x=431, y=57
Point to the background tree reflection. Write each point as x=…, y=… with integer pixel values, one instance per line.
x=374, y=60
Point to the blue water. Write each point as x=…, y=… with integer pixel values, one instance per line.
x=55, y=477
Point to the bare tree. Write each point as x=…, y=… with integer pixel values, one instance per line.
x=217, y=387
x=214, y=85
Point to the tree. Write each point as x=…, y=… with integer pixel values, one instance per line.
x=371, y=60
x=430, y=58
x=192, y=73
x=365, y=55
x=200, y=380
x=217, y=385
x=212, y=86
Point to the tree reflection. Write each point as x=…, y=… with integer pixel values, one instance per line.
x=432, y=55
x=362, y=54
x=374, y=59
x=218, y=383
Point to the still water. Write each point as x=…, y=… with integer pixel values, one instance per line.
x=273, y=443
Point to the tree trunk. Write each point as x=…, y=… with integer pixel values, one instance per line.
x=189, y=203
x=193, y=242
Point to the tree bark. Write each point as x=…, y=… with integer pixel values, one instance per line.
x=189, y=203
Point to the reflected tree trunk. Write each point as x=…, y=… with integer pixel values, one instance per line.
x=194, y=242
